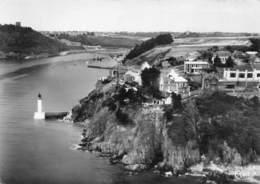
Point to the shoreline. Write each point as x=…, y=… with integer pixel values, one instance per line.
x=207, y=172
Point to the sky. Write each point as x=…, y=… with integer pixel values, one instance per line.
x=134, y=15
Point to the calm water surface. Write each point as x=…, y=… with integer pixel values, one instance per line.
x=35, y=152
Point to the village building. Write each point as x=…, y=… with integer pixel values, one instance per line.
x=210, y=82
x=173, y=82
x=133, y=76
x=118, y=71
x=195, y=67
x=240, y=77
x=252, y=53
x=223, y=56
x=246, y=72
x=145, y=65
x=165, y=64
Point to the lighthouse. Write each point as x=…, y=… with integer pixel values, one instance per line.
x=39, y=114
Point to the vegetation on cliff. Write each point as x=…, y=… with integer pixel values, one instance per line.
x=225, y=128
x=147, y=45
x=26, y=41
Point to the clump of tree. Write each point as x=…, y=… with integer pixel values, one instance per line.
x=206, y=55
x=150, y=81
x=232, y=48
x=175, y=107
x=229, y=62
x=175, y=61
x=162, y=39
x=255, y=44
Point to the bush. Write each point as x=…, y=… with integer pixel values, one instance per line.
x=122, y=117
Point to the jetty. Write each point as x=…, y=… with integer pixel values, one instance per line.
x=99, y=67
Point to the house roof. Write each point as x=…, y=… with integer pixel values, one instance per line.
x=256, y=66
x=133, y=73
x=193, y=55
x=196, y=62
x=223, y=53
x=243, y=67
x=252, y=52
x=174, y=77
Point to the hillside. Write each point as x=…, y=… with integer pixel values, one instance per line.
x=104, y=41
x=22, y=41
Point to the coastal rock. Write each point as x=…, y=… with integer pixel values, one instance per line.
x=136, y=167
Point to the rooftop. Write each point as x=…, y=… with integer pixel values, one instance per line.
x=223, y=53
x=173, y=75
x=196, y=62
x=243, y=67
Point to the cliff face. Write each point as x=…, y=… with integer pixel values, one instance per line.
x=140, y=142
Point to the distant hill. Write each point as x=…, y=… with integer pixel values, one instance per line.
x=213, y=34
x=22, y=41
x=104, y=41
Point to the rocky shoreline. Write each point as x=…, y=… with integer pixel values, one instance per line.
x=210, y=173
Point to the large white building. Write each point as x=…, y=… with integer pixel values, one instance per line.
x=242, y=73
x=195, y=67
x=173, y=82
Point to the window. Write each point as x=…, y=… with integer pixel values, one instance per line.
x=258, y=75
x=250, y=75
x=230, y=86
x=233, y=75
x=241, y=75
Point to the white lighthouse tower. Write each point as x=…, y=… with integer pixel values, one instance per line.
x=39, y=114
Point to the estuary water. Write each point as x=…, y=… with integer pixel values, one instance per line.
x=41, y=152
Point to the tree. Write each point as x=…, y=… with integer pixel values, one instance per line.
x=176, y=102
x=229, y=62
x=192, y=122
x=150, y=82
x=217, y=61
x=150, y=77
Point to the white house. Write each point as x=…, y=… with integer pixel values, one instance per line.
x=133, y=76
x=195, y=67
x=173, y=82
x=145, y=65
